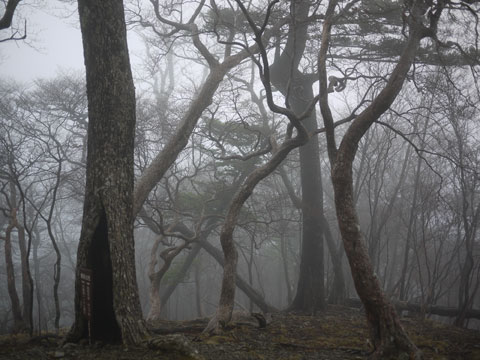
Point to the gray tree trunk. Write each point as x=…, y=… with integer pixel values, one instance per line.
x=310, y=294
x=106, y=241
x=387, y=335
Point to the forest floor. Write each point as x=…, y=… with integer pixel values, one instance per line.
x=340, y=333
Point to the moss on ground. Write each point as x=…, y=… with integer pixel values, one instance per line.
x=340, y=333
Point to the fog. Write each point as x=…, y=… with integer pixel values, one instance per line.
x=416, y=183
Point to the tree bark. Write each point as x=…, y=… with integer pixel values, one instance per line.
x=310, y=294
x=106, y=241
x=387, y=334
x=338, y=293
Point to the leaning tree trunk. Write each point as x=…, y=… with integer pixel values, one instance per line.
x=386, y=332
x=106, y=241
x=227, y=294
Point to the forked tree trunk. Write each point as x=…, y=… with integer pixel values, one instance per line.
x=106, y=241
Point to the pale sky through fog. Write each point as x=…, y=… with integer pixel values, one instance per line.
x=56, y=45
x=56, y=41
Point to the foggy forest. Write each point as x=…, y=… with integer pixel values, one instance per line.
x=262, y=160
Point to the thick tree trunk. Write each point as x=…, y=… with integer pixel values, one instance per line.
x=106, y=242
x=338, y=292
x=310, y=294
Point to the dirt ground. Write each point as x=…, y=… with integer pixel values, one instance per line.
x=339, y=333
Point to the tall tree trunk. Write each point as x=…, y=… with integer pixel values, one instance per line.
x=27, y=286
x=310, y=295
x=36, y=266
x=106, y=241
x=338, y=293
